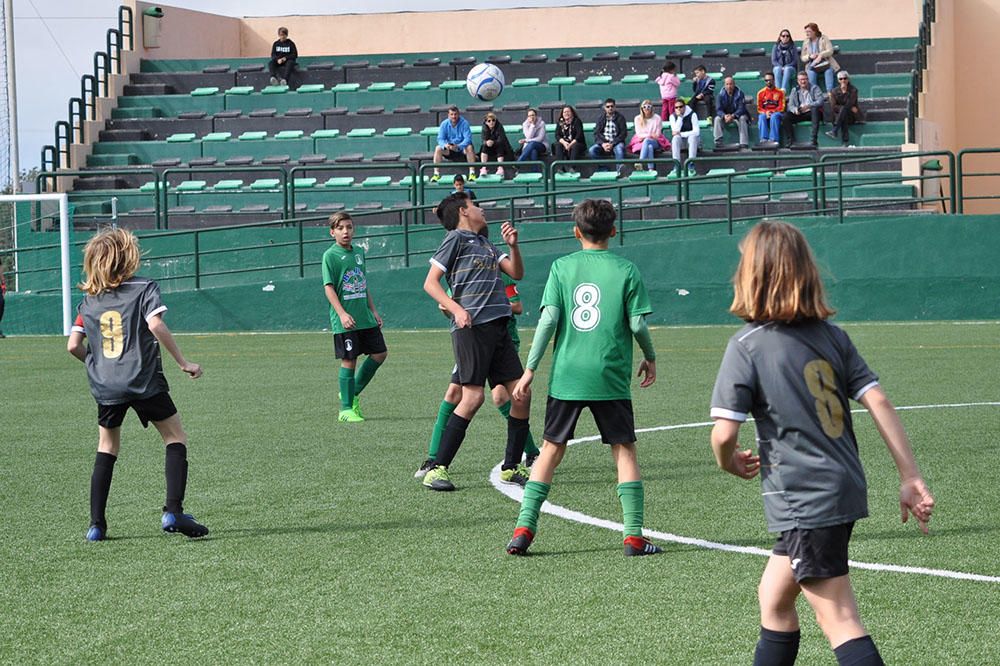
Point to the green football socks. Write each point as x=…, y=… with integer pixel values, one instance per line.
x=530, y=449
x=365, y=373
x=535, y=493
x=444, y=413
x=631, y=495
x=346, y=378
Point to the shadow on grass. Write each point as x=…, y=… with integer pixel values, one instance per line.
x=426, y=524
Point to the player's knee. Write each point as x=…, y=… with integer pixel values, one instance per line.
x=453, y=394
x=380, y=358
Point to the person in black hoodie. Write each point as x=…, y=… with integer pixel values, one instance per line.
x=283, y=57
x=570, y=142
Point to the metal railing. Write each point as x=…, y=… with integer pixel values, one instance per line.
x=965, y=172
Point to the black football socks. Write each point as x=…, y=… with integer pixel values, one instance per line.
x=175, y=469
x=858, y=652
x=451, y=439
x=100, y=486
x=776, y=648
x=517, y=435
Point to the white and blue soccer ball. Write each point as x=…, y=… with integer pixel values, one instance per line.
x=485, y=82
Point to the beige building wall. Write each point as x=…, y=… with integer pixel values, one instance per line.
x=188, y=34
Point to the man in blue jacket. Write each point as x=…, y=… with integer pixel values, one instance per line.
x=731, y=107
x=454, y=143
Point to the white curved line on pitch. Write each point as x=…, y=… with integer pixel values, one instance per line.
x=516, y=492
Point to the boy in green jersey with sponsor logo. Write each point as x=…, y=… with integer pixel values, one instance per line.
x=595, y=303
x=356, y=324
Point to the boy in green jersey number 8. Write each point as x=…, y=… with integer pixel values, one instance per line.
x=595, y=303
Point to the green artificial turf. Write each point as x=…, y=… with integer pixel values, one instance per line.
x=324, y=548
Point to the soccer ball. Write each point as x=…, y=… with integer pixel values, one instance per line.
x=485, y=82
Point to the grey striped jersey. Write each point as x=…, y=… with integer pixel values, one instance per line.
x=796, y=381
x=123, y=356
x=471, y=265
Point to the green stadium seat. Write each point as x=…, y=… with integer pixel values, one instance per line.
x=304, y=183
x=325, y=134
x=746, y=76
x=489, y=179
x=227, y=185
x=289, y=134
x=525, y=82
x=339, y=181
x=801, y=171
x=399, y=131
x=240, y=90
x=191, y=186
x=715, y=75
x=569, y=177
x=562, y=81
x=382, y=86
x=274, y=90
x=407, y=181
x=720, y=172
x=311, y=88
x=346, y=87
x=528, y=178
x=430, y=131
x=361, y=132
x=205, y=92
x=181, y=137
x=253, y=136
x=635, y=78
x=641, y=175
x=589, y=127
x=151, y=186
x=597, y=80
x=265, y=184
x=604, y=177
x=217, y=136
x=758, y=172
x=417, y=85
x=376, y=181
x=452, y=85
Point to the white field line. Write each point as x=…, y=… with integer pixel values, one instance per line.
x=515, y=493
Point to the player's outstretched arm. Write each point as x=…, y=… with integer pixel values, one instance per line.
x=512, y=265
x=914, y=496
x=728, y=455
x=159, y=329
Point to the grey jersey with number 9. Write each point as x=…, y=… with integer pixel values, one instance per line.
x=123, y=356
x=796, y=381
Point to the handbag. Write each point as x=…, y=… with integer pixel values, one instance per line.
x=820, y=65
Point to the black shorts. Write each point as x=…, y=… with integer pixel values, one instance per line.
x=158, y=408
x=454, y=155
x=485, y=352
x=356, y=342
x=614, y=419
x=818, y=553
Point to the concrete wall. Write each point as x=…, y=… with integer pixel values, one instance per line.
x=568, y=27
x=189, y=34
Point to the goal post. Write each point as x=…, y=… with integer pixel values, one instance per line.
x=64, y=245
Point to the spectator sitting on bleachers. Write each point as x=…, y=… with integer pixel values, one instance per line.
x=459, y=183
x=805, y=103
x=844, y=104
x=495, y=147
x=534, y=144
x=283, y=57
x=669, y=84
x=454, y=143
x=770, y=106
x=784, y=60
x=732, y=109
x=569, y=143
x=684, y=127
x=648, y=139
x=703, y=95
x=817, y=54
x=610, y=134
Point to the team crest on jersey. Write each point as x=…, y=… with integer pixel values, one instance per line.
x=354, y=284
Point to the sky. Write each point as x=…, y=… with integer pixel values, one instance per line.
x=55, y=41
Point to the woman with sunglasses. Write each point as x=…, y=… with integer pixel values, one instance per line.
x=495, y=146
x=648, y=139
x=844, y=103
x=784, y=60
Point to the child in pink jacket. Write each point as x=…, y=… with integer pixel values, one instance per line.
x=669, y=83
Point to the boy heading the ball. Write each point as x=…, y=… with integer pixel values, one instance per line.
x=595, y=303
x=480, y=311
x=356, y=324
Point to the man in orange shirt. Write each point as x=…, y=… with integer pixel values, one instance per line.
x=770, y=108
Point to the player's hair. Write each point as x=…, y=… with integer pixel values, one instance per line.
x=339, y=217
x=448, y=210
x=595, y=218
x=777, y=278
x=109, y=258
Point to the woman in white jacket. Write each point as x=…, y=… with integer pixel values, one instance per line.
x=534, y=144
x=684, y=127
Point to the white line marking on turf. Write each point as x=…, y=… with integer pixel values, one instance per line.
x=515, y=493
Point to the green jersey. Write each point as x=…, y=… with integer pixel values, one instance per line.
x=344, y=269
x=597, y=292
